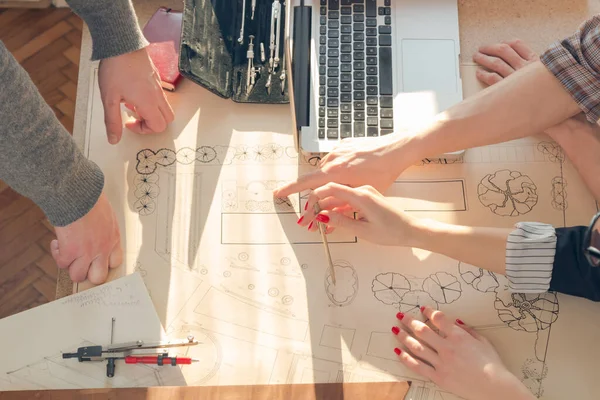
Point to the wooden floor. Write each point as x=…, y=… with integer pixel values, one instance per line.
x=47, y=44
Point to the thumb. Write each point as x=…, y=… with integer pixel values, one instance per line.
x=54, y=250
x=113, y=120
x=338, y=220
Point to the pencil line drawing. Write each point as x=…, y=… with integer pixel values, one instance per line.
x=148, y=160
x=528, y=312
x=533, y=374
x=430, y=195
x=209, y=351
x=283, y=268
x=332, y=336
x=256, y=197
x=181, y=229
x=408, y=295
x=246, y=311
x=480, y=279
x=507, y=193
x=552, y=151
x=344, y=291
x=559, y=193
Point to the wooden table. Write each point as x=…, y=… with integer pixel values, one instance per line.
x=330, y=391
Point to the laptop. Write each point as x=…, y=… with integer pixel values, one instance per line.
x=371, y=67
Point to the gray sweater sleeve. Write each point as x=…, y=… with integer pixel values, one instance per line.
x=113, y=26
x=39, y=158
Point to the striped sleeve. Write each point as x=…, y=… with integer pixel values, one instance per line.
x=530, y=250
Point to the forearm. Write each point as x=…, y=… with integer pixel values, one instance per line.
x=113, y=26
x=478, y=246
x=580, y=142
x=39, y=158
x=525, y=103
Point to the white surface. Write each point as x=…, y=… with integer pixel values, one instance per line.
x=269, y=312
x=35, y=340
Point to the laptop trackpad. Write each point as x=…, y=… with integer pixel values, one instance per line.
x=429, y=65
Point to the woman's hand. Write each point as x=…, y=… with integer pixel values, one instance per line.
x=457, y=359
x=377, y=220
x=354, y=162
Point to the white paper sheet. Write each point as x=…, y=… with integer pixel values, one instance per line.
x=225, y=261
x=34, y=340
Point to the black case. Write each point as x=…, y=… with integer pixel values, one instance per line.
x=212, y=57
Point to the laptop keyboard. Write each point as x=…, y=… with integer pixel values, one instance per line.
x=355, y=69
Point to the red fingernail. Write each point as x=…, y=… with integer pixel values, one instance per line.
x=305, y=206
x=397, y=351
x=310, y=226
x=323, y=218
x=395, y=330
x=400, y=315
x=422, y=308
x=300, y=219
x=458, y=321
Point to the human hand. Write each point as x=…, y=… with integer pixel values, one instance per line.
x=89, y=246
x=354, y=162
x=457, y=359
x=132, y=78
x=503, y=59
x=378, y=221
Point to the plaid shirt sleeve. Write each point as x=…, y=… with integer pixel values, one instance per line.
x=575, y=61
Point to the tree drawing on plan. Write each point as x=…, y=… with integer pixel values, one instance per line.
x=444, y=288
x=559, y=193
x=507, y=193
x=345, y=289
x=480, y=279
x=205, y=154
x=552, y=151
x=534, y=372
x=408, y=296
x=527, y=312
x=389, y=288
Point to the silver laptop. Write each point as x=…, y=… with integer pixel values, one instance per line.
x=376, y=67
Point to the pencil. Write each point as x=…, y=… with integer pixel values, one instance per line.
x=325, y=243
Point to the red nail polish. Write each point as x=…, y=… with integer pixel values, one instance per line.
x=458, y=321
x=422, y=308
x=397, y=351
x=400, y=315
x=323, y=218
x=310, y=226
x=300, y=219
x=395, y=330
x=306, y=206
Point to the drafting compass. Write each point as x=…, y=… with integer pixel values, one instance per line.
x=138, y=352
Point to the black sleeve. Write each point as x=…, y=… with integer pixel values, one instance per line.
x=572, y=274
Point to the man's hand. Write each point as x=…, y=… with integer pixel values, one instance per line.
x=91, y=245
x=132, y=78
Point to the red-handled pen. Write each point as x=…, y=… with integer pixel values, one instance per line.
x=159, y=360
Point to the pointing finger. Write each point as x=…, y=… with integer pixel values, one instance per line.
x=304, y=182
